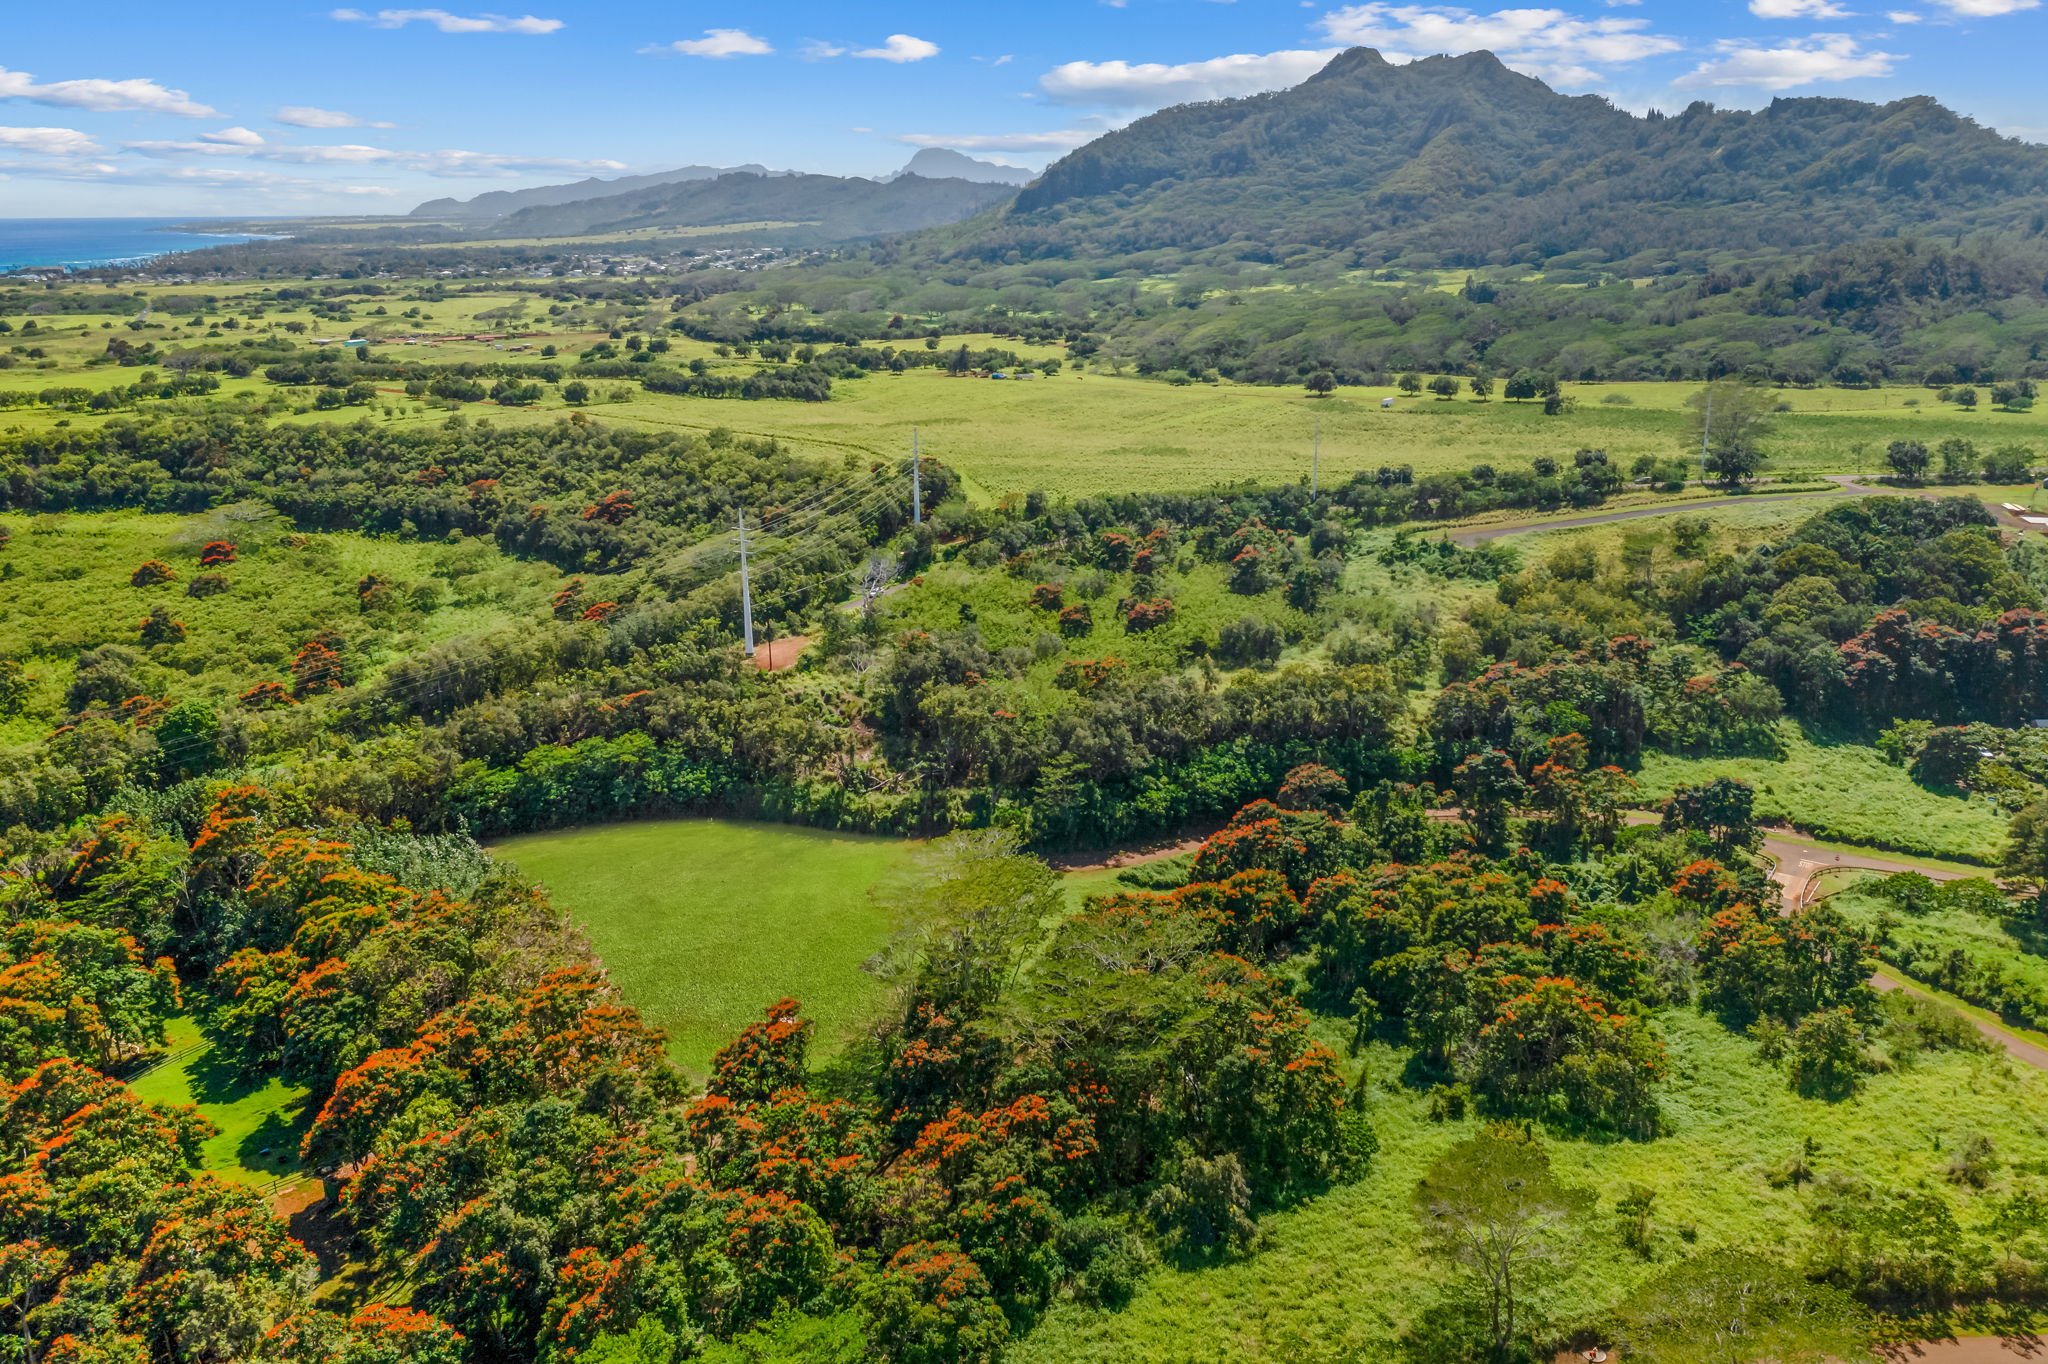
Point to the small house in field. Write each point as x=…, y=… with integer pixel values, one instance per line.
x=1386, y=403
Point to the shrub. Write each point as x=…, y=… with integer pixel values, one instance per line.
x=1076, y=619
x=1140, y=616
x=1827, y=1054
x=317, y=667
x=265, y=696
x=931, y=1305
x=150, y=572
x=207, y=585
x=158, y=628
x=1204, y=1206
x=215, y=553
x=1249, y=642
x=1312, y=786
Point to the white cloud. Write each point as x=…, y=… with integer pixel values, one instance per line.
x=306, y=116
x=1986, y=9
x=1082, y=130
x=1551, y=44
x=233, y=137
x=717, y=43
x=454, y=164
x=238, y=178
x=1152, y=85
x=1902, y=16
x=1062, y=140
x=103, y=96
x=899, y=47
x=446, y=22
x=447, y=164
x=1822, y=57
x=1797, y=9
x=49, y=141
x=818, y=52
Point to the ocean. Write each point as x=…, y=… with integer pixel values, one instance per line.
x=81, y=242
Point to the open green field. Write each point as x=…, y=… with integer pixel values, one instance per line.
x=1078, y=432
x=1340, y=1276
x=1081, y=433
x=1737, y=529
x=64, y=588
x=704, y=923
x=260, y=1123
x=1846, y=792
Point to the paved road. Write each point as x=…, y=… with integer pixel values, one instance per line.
x=1848, y=485
x=1479, y=534
x=2018, y=1048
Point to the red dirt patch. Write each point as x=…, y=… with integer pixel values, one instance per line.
x=1187, y=840
x=777, y=654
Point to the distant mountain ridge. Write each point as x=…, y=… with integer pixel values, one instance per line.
x=833, y=208
x=499, y=202
x=931, y=163
x=1461, y=161
x=943, y=163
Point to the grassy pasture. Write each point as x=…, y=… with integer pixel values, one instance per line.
x=1846, y=792
x=1090, y=433
x=260, y=1123
x=1000, y=607
x=1076, y=433
x=1341, y=1275
x=64, y=588
x=704, y=923
x=2019, y=950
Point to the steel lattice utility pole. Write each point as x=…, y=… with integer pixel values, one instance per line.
x=916, y=483
x=746, y=588
x=1706, y=430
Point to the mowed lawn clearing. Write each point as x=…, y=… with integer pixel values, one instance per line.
x=704, y=923
x=260, y=1121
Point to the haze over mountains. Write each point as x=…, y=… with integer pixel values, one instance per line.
x=499, y=202
x=623, y=201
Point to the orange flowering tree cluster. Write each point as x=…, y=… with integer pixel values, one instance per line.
x=1506, y=984
x=113, y=1245
x=318, y=666
x=215, y=553
x=1141, y=615
x=1759, y=964
x=612, y=509
x=1145, y=1053
x=150, y=572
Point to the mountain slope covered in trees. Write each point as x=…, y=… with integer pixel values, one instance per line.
x=1458, y=161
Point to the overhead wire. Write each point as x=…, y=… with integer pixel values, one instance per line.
x=420, y=686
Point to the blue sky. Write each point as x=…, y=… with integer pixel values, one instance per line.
x=261, y=107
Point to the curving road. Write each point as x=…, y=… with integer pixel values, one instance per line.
x=1847, y=485
x=1480, y=534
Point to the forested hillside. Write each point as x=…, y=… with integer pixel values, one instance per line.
x=1457, y=161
